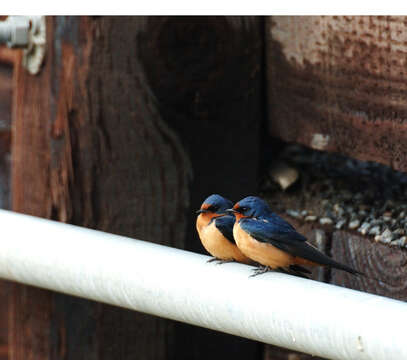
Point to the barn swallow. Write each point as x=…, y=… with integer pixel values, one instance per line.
x=215, y=229
x=266, y=238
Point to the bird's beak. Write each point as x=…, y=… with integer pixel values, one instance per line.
x=200, y=211
x=230, y=211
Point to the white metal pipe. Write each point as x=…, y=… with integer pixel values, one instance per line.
x=14, y=31
x=274, y=308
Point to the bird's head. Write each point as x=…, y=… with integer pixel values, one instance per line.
x=251, y=206
x=215, y=205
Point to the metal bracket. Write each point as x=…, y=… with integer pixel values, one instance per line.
x=34, y=54
x=28, y=33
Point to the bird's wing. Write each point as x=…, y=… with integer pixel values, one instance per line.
x=285, y=238
x=272, y=230
x=225, y=225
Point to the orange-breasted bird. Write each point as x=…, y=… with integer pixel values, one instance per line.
x=266, y=238
x=215, y=229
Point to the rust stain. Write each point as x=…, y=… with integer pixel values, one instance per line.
x=62, y=172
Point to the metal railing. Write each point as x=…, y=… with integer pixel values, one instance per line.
x=274, y=308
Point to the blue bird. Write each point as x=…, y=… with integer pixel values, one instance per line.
x=215, y=229
x=266, y=238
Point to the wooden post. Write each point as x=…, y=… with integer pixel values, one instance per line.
x=6, y=71
x=131, y=123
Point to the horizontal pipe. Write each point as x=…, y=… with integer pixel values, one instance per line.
x=274, y=308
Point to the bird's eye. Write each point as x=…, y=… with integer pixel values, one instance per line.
x=213, y=208
x=243, y=209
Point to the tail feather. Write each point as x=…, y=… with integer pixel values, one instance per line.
x=311, y=253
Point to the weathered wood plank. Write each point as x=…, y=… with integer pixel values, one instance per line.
x=30, y=308
x=112, y=135
x=7, y=55
x=385, y=267
x=6, y=72
x=339, y=83
x=4, y=312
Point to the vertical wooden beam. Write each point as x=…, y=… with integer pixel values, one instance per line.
x=6, y=72
x=130, y=124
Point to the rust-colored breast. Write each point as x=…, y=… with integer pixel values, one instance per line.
x=215, y=243
x=263, y=253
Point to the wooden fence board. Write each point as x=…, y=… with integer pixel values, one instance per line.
x=338, y=83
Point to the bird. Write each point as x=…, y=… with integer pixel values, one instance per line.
x=266, y=238
x=215, y=229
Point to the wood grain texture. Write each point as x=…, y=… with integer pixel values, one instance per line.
x=30, y=308
x=385, y=267
x=339, y=83
x=4, y=311
x=6, y=81
x=113, y=133
x=6, y=72
x=7, y=55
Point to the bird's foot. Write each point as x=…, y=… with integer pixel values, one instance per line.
x=224, y=261
x=219, y=261
x=260, y=270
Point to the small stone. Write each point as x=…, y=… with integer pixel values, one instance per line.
x=310, y=218
x=354, y=224
x=375, y=230
x=362, y=213
x=378, y=238
x=402, y=215
x=304, y=213
x=399, y=231
x=325, y=203
x=284, y=175
x=364, y=228
x=293, y=213
x=375, y=222
x=349, y=209
x=325, y=221
x=386, y=236
x=340, y=223
x=403, y=241
x=338, y=209
x=399, y=242
x=386, y=218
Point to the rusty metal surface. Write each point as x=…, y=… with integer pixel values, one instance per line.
x=339, y=84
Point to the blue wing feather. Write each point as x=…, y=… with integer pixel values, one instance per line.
x=277, y=232
x=225, y=225
x=271, y=229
